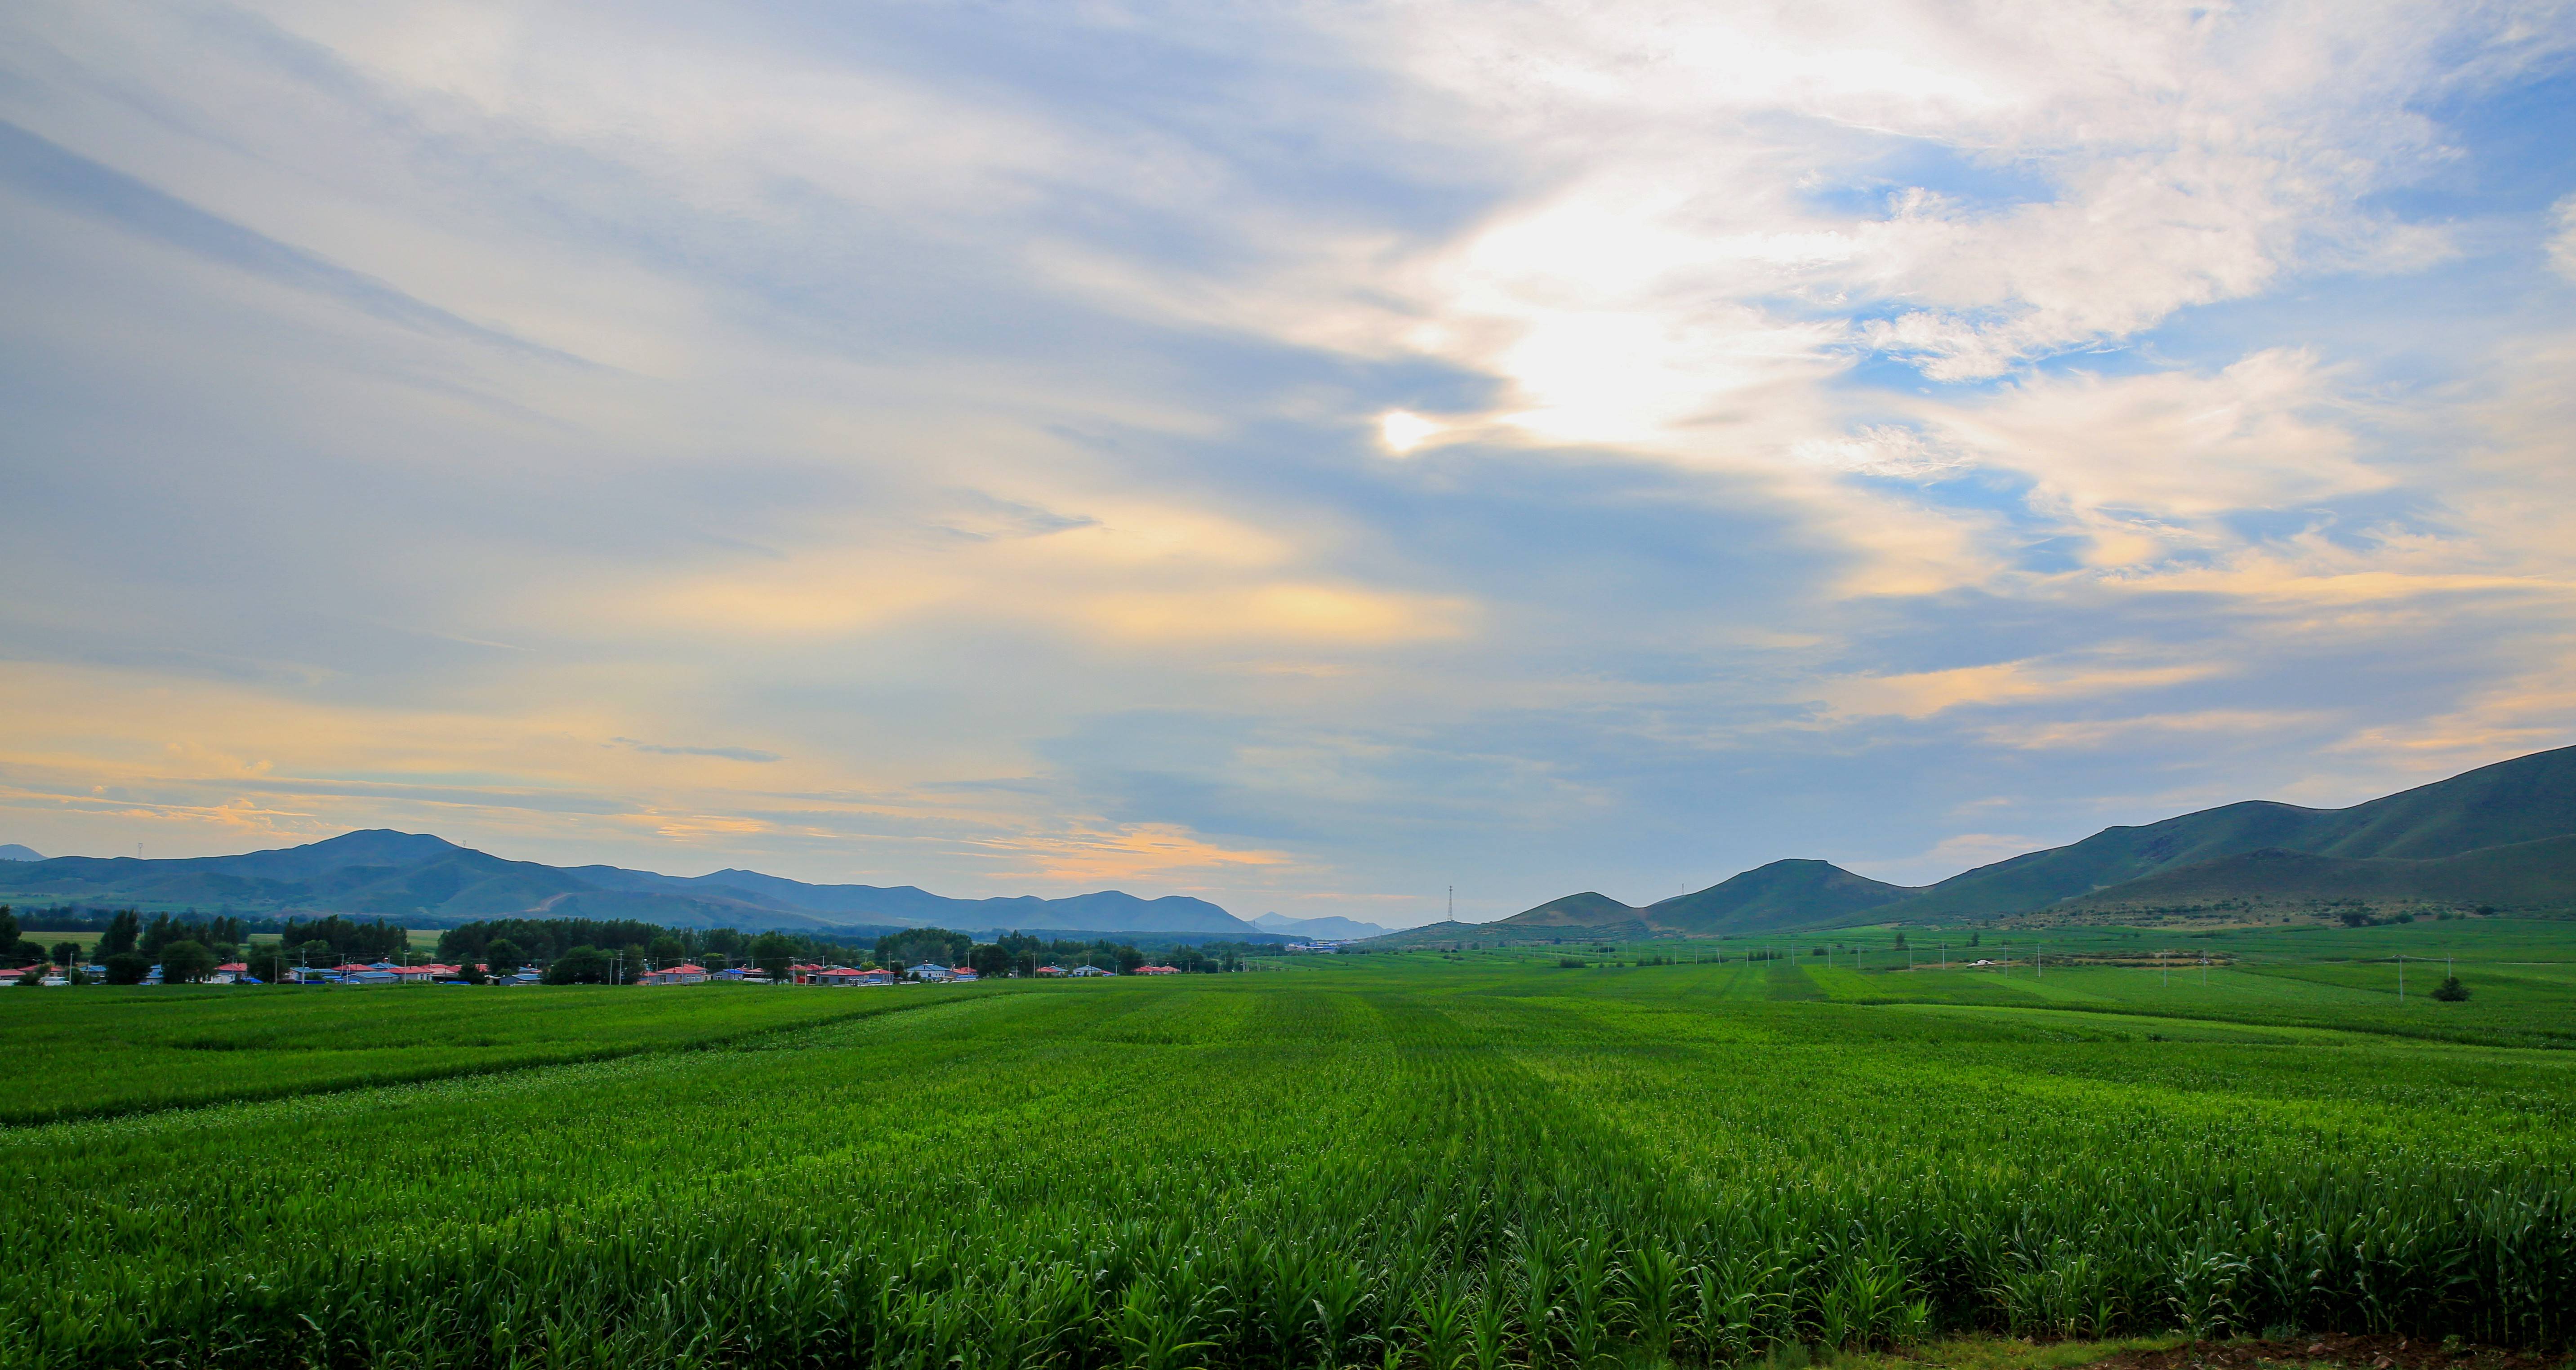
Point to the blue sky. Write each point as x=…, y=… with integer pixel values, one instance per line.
x=1302, y=456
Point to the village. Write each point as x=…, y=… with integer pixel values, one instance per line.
x=48, y=975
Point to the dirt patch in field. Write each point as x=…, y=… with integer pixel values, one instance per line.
x=2335, y=1349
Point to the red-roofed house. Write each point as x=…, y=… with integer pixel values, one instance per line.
x=1158, y=970
x=682, y=974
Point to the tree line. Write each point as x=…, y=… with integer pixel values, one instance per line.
x=188, y=947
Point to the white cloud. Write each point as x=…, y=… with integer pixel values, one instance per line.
x=2562, y=244
x=2260, y=434
x=955, y=397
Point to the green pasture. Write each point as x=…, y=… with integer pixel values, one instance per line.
x=1414, y=1161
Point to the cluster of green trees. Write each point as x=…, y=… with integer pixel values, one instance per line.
x=593, y=951
x=587, y=951
x=570, y=951
x=1022, y=953
x=188, y=946
x=15, y=949
x=29, y=957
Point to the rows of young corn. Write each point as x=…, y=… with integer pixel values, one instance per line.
x=1273, y=1177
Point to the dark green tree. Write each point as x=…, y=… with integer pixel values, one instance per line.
x=666, y=950
x=2451, y=991
x=128, y=968
x=185, y=963
x=66, y=953
x=501, y=956
x=913, y=946
x=774, y=952
x=8, y=926
x=579, y=966
x=122, y=932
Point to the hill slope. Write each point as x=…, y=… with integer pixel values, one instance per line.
x=2524, y=800
x=2520, y=874
x=1782, y=896
x=415, y=875
x=1778, y=897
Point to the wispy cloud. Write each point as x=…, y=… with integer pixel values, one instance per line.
x=1300, y=456
x=724, y=753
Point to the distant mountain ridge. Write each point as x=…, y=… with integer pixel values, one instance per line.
x=11, y=851
x=404, y=875
x=1331, y=928
x=2502, y=835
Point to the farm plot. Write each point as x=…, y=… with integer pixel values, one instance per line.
x=1407, y=1160
x=104, y=1050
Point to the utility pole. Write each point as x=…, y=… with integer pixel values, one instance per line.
x=2401, y=977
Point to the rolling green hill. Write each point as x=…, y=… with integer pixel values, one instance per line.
x=2527, y=875
x=1582, y=911
x=2511, y=803
x=1779, y=896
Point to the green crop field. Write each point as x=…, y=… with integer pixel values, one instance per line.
x=1450, y=1162
x=101, y=1051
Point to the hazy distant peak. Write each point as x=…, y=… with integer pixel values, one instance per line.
x=1331, y=927
x=11, y=851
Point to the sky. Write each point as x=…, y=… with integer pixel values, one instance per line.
x=1305, y=456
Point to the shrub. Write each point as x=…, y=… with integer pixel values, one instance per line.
x=2451, y=990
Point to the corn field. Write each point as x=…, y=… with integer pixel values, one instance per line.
x=1393, y=1165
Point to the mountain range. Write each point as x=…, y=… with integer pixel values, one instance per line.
x=1331, y=928
x=421, y=877
x=2501, y=835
